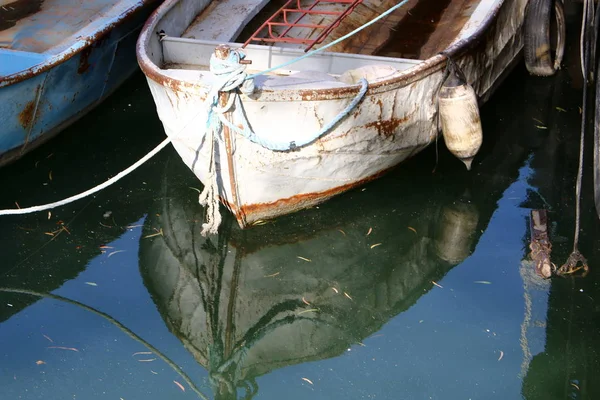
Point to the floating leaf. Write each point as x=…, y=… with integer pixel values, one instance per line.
x=179, y=385
x=310, y=310
x=63, y=348
x=115, y=252
x=160, y=232
x=141, y=352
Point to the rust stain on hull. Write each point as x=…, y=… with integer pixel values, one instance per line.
x=84, y=56
x=387, y=127
x=250, y=213
x=26, y=117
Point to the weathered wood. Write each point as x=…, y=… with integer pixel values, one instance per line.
x=540, y=243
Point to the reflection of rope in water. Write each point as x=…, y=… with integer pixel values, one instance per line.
x=119, y=325
x=530, y=282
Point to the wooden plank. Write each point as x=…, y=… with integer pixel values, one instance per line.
x=223, y=20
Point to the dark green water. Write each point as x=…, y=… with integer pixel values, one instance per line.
x=336, y=302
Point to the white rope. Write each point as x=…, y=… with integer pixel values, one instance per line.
x=93, y=190
x=210, y=195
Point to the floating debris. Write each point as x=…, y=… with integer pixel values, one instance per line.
x=334, y=289
x=370, y=230
x=561, y=109
x=272, y=275
x=147, y=360
x=308, y=380
x=483, y=282
x=375, y=245
x=437, y=284
x=63, y=348
x=179, y=385
x=305, y=302
x=501, y=355
x=115, y=252
x=347, y=295
x=48, y=337
x=40, y=362
x=412, y=229
x=160, y=232
x=310, y=310
x=343, y=233
x=91, y=283
x=304, y=258
x=141, y=352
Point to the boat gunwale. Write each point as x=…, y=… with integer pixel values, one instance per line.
x=77, y=45
x=425, y=68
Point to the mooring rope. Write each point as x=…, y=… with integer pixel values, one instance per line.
x=231, y=82
x=587, y=45
x=118, y=324
x=333, y=43
x=232, y=76
x=48, y=206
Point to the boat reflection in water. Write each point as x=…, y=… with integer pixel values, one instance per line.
x=306, y=287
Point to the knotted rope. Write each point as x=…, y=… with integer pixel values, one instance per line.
x=223, y=100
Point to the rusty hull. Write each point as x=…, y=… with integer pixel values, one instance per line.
x=394, y=121
x=52, y=73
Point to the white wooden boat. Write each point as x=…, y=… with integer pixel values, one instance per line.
x=399, y=58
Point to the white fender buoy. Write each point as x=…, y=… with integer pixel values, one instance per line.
x=459, y=117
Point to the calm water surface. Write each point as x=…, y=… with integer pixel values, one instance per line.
x=416, y=286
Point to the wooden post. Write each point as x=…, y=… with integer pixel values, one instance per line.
x=540, y=243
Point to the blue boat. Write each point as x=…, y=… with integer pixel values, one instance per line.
x=58, y=60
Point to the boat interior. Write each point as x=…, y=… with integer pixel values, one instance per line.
x=37, y=26
x=34, y=31
x=276, y=31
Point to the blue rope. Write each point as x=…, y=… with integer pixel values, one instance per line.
x=281, y=145
x=338, y=40
x=231, y=74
